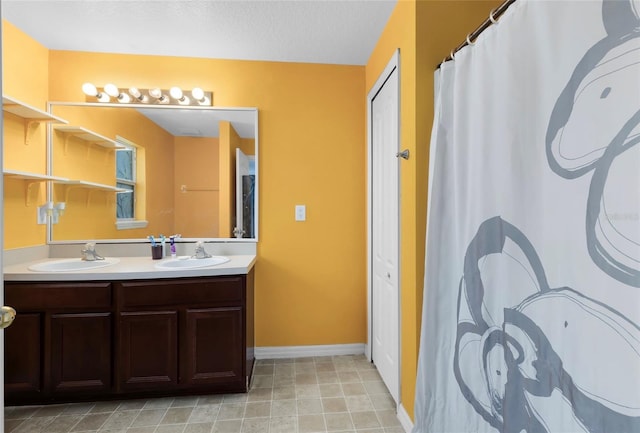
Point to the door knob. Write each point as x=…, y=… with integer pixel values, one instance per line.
x=404, y=154
x=7, y=314
x=388, y=275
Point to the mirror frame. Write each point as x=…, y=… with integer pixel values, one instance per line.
x=52, y=104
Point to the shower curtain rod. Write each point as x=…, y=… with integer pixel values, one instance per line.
x=493, y=18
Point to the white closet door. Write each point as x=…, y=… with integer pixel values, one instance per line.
x=385, y=234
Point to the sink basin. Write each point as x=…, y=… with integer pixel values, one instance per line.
x=191, y=263
x=70, y=265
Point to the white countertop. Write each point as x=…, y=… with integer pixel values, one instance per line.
x=129, y=268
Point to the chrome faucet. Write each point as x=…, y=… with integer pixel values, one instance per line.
x=200, y=252
x=89, y=252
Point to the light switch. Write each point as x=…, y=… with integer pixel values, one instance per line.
x=301, y=212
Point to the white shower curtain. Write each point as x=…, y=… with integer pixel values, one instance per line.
x=532, y=287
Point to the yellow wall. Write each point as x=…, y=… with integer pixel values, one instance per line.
x=196, y=209
x=425, y=31
x=25, y=71
x=248, y=146
x=310, y=276
x=27, y=81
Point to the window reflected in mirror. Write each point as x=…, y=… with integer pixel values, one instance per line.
x=126, y=180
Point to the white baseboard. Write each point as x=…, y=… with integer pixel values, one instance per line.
x=367, y=351
x=405, y=419
x=305, y=351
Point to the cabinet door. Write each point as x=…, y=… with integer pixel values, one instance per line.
x=81, y=353
x=148, y=350
x=214, y=345
x=22, y=356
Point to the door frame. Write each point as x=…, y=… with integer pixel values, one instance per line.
x=1, y=253
x=393, y=64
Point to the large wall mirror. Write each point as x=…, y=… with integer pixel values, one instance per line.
x=127, y=172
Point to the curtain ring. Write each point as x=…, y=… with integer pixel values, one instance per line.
x=452, y=55
x=491, y=18
x=469, y=40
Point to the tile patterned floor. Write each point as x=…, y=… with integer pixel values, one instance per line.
x=303, y=395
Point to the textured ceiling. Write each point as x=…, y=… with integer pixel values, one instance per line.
x=314, y=31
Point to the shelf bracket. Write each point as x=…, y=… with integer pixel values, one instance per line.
x=92, y=191
x=65, y=143
x=110, y=198
x=67, y=189
x=107, y=156
x=27, y=191
x=29, y=125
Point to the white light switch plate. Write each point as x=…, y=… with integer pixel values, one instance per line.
x=301, y=212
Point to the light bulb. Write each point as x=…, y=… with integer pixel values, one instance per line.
x=111, y=90
x=103, y=97
x=123, y=98
x=198, y=94
x=89, y=89
x=184, y=100
x=175, y=92
x=133, y=91
x=155, y=93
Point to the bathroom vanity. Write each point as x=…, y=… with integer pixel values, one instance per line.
x=129, y=330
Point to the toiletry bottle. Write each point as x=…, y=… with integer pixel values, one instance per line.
x=172, y=241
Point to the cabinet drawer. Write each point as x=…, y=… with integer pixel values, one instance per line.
x=184, y=291
x=57, y=296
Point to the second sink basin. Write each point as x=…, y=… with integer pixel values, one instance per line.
x=71, y=265
x=191, y=263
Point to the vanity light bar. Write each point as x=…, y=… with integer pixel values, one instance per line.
x=154, y=96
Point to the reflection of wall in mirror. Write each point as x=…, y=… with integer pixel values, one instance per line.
x=91, y=214
x=229, y=142
x=197, y=191
x=178, y=178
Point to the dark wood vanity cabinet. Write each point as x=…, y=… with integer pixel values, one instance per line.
x=60, y=346
x=207, y=360
x=80, y=347
x=100, y=340
x=184, y=334
x=147, y=350
x=23, y=356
